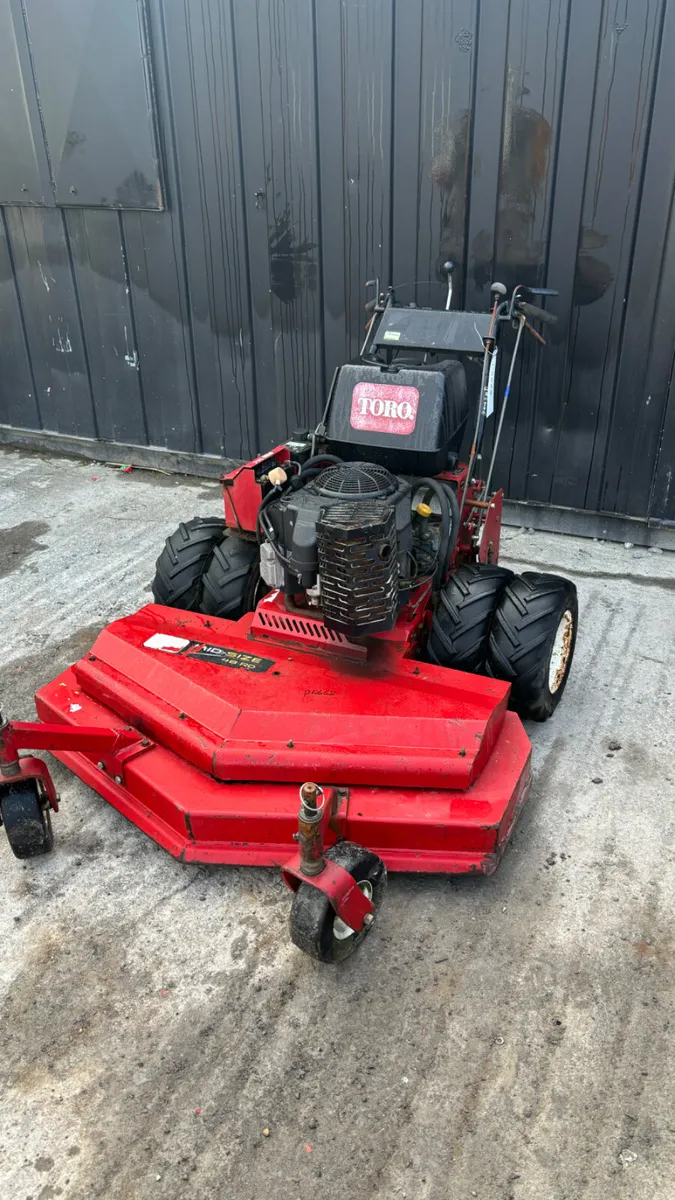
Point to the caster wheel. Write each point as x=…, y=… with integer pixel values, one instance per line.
x=315, y=926
x=26, y=820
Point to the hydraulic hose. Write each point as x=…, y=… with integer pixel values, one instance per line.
x=273, y=494
x=311, y=469
x=456, y=519
x=435, y=486
x=330, y=459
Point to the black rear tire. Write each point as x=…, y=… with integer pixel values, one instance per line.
x=460, y=627
x=26, y=820
x=314, y=925
x=532, y=641
x=183, y=561
x=232, y=583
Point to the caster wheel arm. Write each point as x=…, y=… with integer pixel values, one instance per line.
x=320, y=919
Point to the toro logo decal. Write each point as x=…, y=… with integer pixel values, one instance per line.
x=384, y=408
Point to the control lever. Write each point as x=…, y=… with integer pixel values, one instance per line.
x=537, y=314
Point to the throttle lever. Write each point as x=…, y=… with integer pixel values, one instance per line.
x=538, y=314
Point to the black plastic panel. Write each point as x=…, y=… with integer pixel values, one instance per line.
x=407, y=420
x=426, y=329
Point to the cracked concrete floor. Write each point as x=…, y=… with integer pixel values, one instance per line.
x=507, y=1039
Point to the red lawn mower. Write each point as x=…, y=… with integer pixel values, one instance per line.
x=324, y=683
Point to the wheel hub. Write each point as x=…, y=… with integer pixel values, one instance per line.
x=341, y=930
x=562, y=645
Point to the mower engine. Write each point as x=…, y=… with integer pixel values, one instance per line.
x=344, y=536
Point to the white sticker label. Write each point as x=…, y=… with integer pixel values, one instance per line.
x=164, y=641
x=391, y=335
x=490, y=397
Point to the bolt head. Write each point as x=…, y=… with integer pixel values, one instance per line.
x=101, y=766
x=368, y=920
x=118, y=779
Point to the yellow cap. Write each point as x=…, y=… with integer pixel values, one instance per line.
x=423, y=510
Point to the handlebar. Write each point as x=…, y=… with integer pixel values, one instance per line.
x=538, y=314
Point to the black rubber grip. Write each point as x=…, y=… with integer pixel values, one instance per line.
x=537, y=314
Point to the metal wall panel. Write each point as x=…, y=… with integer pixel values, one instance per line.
x=274, y=46
x=663, y=494
x=102, y=283
x=355, y=57
x=51, y=313
x=91, y=71
x=646, y=353
x=18, y=391
x=433, y=104
x=624, y=85
x=311, y=145
x=203, y=97
x=531, y=142
x=24, y=172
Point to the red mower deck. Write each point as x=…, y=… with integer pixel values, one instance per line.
x=430, y=768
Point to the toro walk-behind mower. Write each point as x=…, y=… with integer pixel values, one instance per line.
x=344, y=634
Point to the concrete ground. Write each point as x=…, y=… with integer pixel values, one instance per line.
x=494, y=1038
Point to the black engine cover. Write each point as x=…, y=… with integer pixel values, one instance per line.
x=408, y=420
x=352, y=527
x=359, y=566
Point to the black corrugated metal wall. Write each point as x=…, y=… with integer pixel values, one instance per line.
x=304, y=146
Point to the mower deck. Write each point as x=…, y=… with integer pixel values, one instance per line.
x=429, y=767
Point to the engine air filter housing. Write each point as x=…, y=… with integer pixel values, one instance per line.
x=365, y=481
x=358, y=566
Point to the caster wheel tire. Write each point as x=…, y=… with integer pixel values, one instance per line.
x=315, y=926
x=232, y=584
x=460, y=627
x=532, y=641
x=26, y=820
x=183, y=561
